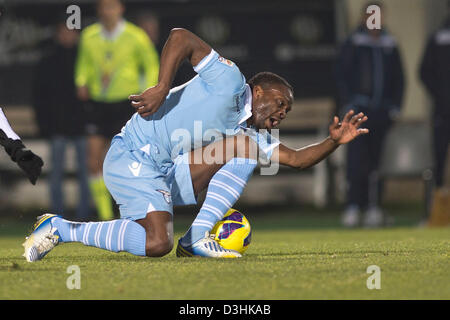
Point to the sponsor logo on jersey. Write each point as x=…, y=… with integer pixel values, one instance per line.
x=166, y=195
x=135, y=168
x=226, y=61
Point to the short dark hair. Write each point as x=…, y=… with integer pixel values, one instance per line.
x=266, y=79
x=122, y=2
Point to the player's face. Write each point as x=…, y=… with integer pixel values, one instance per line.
x=270, y=106
x=109, y=11
x=65, y=37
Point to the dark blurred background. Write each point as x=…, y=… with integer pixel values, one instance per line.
x=299, y=40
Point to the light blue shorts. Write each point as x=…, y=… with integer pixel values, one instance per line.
x=139, y=185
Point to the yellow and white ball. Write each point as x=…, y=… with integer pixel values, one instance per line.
x=233, y=231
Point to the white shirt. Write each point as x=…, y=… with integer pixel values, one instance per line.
x=4, y=125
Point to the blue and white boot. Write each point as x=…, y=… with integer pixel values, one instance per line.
x=205, y=247
x=43, y=238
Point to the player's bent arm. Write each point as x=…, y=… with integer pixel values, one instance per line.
x=305, y=157
x=180, y=45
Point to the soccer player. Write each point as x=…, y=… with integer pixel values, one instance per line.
x=162, y=157
x=115, y=58
x=30, y=163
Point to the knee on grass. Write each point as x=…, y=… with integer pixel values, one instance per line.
x=158, y=247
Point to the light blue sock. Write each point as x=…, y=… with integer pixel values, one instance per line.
x=116, y=235
x=224, y=189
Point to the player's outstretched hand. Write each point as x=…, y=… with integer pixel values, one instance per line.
x=149, y=101
x=27, y=160
x=347, y=130
x=30, y=163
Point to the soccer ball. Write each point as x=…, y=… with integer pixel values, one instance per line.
x=233, y=231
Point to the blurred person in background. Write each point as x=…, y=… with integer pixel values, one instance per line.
x=435, y=74
x=149, y=22
x=370, y=80
x=60, y=116
x=113, y=57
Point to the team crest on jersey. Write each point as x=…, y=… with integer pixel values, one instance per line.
x=226, y=61
x=166, y=195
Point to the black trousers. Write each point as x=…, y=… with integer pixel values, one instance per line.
x=441, y=140
x=364, y=187
x=107, y=119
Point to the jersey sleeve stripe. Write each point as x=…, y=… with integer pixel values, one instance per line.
x=4, y=125
x=204, y=61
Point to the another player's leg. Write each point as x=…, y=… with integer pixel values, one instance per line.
x=82, y=176
x=375, y=215
x=225, y=183
x=357, y=175
x=97, y=145
x=58, y=150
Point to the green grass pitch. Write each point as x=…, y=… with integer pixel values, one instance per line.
x=290, y=257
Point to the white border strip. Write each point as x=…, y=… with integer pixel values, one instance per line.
x=204, y=61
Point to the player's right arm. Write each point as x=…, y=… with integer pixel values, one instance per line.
x=83, y=67
x=340, y=133
x=26, y=159
x=181, y=44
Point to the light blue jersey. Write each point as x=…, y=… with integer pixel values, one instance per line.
x=214, y=103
